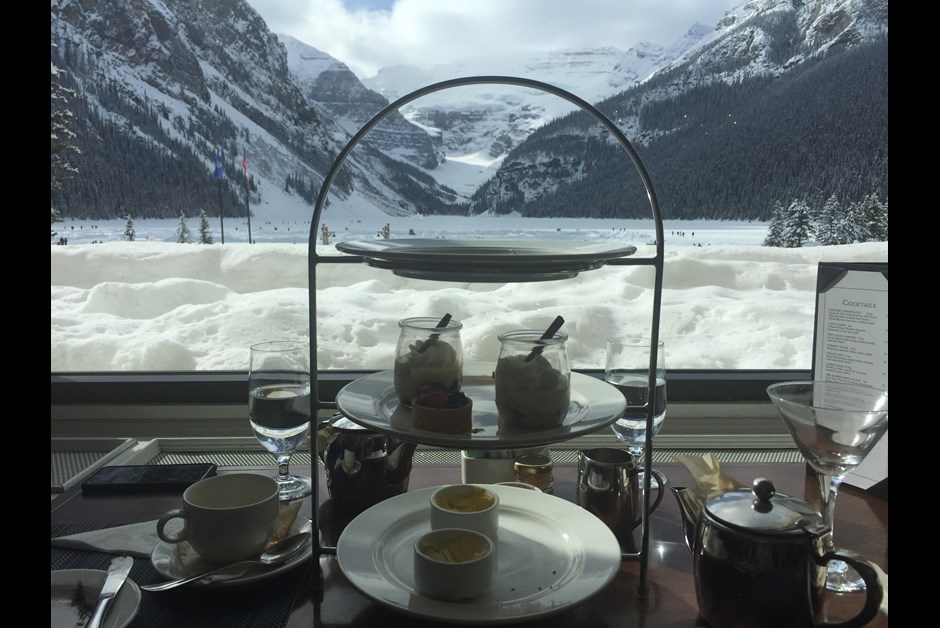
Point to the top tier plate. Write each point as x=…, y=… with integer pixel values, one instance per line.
x=371, y=402
x=485, y=260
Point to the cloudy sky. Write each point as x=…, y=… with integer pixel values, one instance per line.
x=370, y=34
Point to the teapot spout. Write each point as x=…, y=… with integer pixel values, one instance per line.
x=691, y=509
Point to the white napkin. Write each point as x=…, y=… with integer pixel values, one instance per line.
x=134, y=539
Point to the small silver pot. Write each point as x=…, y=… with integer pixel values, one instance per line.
x=362, y=467
x=759, y=562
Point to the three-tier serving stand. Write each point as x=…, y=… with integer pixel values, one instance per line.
x=656, y=262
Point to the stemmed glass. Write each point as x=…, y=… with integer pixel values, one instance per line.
x=627, y=368
x=279, y=406
x=834, y=425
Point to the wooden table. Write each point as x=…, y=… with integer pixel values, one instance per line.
x=861, y=526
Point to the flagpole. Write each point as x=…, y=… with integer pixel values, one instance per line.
x=247, y=205
x=219, y=171
x=221, y=220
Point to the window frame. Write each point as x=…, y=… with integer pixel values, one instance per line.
x=227, y=387
x=708, y=410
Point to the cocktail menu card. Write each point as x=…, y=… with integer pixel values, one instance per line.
x=851, y=342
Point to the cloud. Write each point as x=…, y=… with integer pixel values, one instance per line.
x=430, y=32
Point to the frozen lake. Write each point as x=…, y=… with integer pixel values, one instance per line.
x=676, y=232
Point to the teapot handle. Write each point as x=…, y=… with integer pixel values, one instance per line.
x=874, y=592
x=326, y=434
x=660, y=488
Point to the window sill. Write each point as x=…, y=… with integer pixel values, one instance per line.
x=708, y=410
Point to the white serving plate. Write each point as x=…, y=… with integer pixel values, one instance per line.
x=371, y=402
x=552, y=555
x=481, y=260
x=496, y=253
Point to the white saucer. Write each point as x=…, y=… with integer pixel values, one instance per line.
x=179, y=560
x=64, y=585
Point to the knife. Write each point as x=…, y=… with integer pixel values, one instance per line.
x=117, y=574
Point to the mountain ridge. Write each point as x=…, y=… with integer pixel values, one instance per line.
x=750, y=78
x=162, y=84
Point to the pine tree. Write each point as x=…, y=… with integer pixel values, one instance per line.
x=874, y=220
x=851, y=230
x=62, y=135
x=129, y=229
x=182, y=231
x=56, y=217
x=827, y=228
x=886, y=220
x=775, y=230
x=205, y=235
x=797, y=225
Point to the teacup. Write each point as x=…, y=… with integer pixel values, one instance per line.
x=226, y=518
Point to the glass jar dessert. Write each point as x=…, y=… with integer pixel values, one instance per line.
x=532, y=380
x=427, y=354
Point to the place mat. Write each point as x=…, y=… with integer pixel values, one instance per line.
x=262, y=604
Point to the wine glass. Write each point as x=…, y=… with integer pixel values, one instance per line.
x=834, y=425
x=279, y=406
x=627, y=368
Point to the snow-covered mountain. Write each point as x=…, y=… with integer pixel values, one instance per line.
x=461, y=134
x=483, y=123
x=160, y=85
x=785, y=99
x=331, y=84
x=165, y=78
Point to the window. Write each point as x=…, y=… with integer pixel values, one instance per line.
x=132, y=320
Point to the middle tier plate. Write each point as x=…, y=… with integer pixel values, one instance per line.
x=371, y=402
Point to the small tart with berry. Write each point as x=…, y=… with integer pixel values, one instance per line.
x=437, y=409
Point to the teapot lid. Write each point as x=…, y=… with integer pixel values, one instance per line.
x=762, y=509
x=341, y=422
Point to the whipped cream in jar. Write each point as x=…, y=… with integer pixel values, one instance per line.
x=532, y=380
x=426, y=354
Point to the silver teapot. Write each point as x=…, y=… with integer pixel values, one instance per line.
x=362, y=467
x=758, y=560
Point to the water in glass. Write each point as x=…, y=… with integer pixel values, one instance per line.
x=280, y=416
x=279, y=406
x=631, y=427
x=627, y=368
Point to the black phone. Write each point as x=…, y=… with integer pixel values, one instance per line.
x=146, y=478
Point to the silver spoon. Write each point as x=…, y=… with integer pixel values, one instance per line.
x=277, y=554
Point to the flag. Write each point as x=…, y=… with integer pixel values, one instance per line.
x=219, y=169
x=245, y=165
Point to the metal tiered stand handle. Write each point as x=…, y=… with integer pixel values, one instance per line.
x=656, y=262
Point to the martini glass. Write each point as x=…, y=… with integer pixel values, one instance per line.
x=834, y=426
